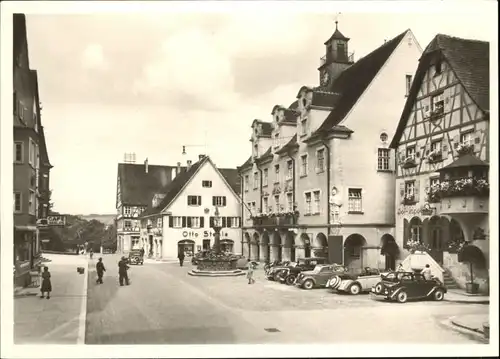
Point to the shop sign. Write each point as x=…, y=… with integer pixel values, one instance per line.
x=204, y=234
x=56, y=220
x=425, y=210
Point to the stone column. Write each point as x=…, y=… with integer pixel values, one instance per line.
x=299, y=252
x=287, y=254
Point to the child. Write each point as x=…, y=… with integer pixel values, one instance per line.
x=250, y=273
x=46, y=284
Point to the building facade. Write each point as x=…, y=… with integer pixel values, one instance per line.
x=31, y=161
x=328, y=172
x=181, y=217
x=442, y=143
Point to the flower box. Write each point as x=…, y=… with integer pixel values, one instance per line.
x=466, y=186
x=435, y=156
x=465, y=148
x=408, y=200
x=409, y=163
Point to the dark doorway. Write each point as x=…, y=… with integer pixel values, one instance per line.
x=150, y=245
x=307, y=251
x=390, y=262
x=292, y=254
x=206, y=244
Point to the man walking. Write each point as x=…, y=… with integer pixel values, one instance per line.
x=122, y=271
x=181, y=257
x=99, y=267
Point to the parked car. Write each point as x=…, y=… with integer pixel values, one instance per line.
x=404, y=286
x=289, y=274
x=355, y=284
x=319, y=276
x=272, y=272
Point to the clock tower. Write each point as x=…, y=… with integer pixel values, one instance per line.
x=336, y=59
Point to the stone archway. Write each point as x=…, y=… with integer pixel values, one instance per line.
x=245, y=247
x=276, y=254
x=265, y=249
x=416, y=229
x=390, y=250
x=254, y=248
x=456, y=236
x=304, y=247
x=320, y=246
x=289, y=247
x=353, y=252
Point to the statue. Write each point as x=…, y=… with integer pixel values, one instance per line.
x=335, y=204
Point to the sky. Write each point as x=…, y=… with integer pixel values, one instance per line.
x=149, y=83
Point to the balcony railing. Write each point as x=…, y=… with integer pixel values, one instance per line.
x=275, y=220
x=461, y=187
x=337, y=56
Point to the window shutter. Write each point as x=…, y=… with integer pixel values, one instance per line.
x=401, y=156
x=183, y=221
x=406, y=233
x=239, y=222
x=392, y=160
x=224, y=201
x=456, y=141
x=427, y=149
x=213, y=200
x=199, y=200
x=170, y=221
x=402, y=188
x=211, y=222
x=447, y=104
x=189, y=222
x=224, y=220
x=417, y=190
x=427, y=185
x=477, y=137
x=202, y=222
x=230, y=221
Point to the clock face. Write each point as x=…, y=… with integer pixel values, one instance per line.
x=325, y=78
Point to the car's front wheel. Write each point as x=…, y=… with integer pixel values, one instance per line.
x=308, y=284
x=439, y=295
x=402, y=297
x=290, y=280
x=355, y=289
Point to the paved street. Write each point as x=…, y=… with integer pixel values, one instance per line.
x=164, y=305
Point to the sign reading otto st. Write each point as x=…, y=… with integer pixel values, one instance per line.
x=202, y=234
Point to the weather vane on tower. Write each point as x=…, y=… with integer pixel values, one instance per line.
x=337, y=19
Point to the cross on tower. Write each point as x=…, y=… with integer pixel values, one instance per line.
x=337, y=19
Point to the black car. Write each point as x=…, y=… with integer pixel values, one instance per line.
x=288, y=274
x=272, y=272
x=404, y=286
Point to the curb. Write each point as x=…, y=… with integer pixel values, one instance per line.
x=467, y=301
x=472, y=334
x=455, y=323
x=82, y=320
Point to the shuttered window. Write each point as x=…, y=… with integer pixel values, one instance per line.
x=194, y=200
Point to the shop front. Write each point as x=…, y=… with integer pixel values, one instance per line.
x=26, y=254
x=191, y=241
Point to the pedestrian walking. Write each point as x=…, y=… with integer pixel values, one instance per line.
x=250, y=273
x=181, y=257
x=426, y=272
x=46, y=283
x=122, y=271
x=100, y=270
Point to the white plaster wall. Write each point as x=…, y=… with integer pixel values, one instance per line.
x=179, y=207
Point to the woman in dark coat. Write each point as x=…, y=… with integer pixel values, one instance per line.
x=46, y=284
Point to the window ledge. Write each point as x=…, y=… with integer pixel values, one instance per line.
x=315, y=214
x=302, y=176
x=320, y=172
x=264, y=185
x=385, y=171
x=356, y=212
x=194, y=205
x=307, y=214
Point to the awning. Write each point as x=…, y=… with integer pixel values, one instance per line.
x=390, y=248
x=471, y=254
x=226, y=241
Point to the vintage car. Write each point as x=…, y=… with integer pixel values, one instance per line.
x=319, y=276
x=355, y=284
x=135, y=256
x=404, y=286
x=289, y=274
x=272, y=272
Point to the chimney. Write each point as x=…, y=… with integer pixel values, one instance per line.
x=200, y=157
x=146, y=165
x=188, y=164
x=178, y=168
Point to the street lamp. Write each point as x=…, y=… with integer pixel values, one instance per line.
x=217, y=227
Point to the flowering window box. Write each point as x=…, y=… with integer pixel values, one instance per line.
x=409, y=163
x=466, y=186
x=409, y=199
x=465, y=148
x=437, y=113
x=435, y=156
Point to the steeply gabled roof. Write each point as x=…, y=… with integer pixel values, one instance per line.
x=19, y=35
x=337, y=35
x=175, y=187
x=469, y=59
x=267, y=127
x=292, y=144
x=324, y=98
x=353, y=81
x=290, y=116
x=247, y=163
x=232, y=177
x=137, y=186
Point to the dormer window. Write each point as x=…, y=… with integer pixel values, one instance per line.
x=304, y=102
x=438, y=67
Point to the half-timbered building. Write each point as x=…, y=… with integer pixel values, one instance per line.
x=443, y=160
